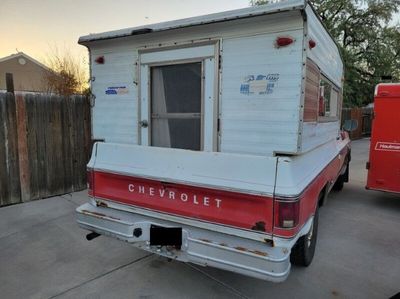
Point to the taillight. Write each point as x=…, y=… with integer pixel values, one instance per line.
x=284, y=41
x=90, y=180
x=312, y=44
x=100, y=60
x=287, y=214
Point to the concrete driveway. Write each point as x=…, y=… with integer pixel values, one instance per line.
x=43, y=254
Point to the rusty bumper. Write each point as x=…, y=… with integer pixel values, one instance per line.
x=200, y=246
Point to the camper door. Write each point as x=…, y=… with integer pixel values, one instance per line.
x=178, y=98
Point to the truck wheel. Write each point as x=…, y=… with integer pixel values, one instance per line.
x=303, y=252
x=339, y=184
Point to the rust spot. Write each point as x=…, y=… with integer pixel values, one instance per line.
x=99, y=215
x=259, y=226
x=259, y=253
x=223, y=244
x=205, y=240
x=269, y=242
x=90, y=213
x=101, y=204
x=241, y=248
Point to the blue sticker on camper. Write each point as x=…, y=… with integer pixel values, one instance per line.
x=259, y=84
x=117, y=90
x=111, y=91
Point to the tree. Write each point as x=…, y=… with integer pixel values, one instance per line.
x=370, y=47
x=61, y=83
x=67, y=75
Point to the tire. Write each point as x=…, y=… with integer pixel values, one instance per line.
x=343, y=178
x=339, y=184
x=303, y=252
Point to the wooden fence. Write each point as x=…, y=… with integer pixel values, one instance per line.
x=44, y=146
x=364, y=117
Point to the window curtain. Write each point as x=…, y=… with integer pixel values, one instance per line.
x=160, y=127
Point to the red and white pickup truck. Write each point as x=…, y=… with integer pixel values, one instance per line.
x=219, y=137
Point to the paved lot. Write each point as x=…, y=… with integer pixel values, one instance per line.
x=43, y=254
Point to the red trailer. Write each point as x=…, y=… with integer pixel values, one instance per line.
x=384, y=160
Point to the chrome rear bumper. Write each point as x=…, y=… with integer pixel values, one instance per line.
x=200, y=246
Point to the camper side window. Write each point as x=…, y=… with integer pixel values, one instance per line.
x=328, y=103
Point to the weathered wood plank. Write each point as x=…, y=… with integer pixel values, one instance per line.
x=42, y=123
x=57, y=178
x=24, y=172
x=11, y=150
x=80, y=141
x=75, y=141
x=4, y=188
x=32, y=125
x=50, y=155
x=88, y=136
x=66, y=146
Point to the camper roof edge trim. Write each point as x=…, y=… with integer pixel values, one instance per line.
x=199, y=20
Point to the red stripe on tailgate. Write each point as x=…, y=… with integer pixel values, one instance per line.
x=223, y=207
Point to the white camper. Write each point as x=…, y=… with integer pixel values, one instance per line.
x=218, y=137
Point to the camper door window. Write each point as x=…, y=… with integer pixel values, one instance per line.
x=176, y=108
x=328, y=101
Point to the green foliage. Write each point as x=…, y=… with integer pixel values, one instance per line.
x=370, y=47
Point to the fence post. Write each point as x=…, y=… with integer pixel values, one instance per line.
x=10, y=82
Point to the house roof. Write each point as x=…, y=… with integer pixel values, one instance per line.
x=22, y=54
x=200, y=20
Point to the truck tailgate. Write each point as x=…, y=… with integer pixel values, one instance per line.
x=228, y=189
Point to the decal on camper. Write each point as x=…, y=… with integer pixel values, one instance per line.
x=259, y=84
x=117, y=90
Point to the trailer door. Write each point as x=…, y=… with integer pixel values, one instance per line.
x=178, y=106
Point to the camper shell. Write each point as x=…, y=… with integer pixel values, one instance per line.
x=220, y=133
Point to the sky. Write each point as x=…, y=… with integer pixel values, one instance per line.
x=37, y=27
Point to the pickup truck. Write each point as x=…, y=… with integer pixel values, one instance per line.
x=218, y=137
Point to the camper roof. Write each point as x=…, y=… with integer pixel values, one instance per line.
x=200, y=20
